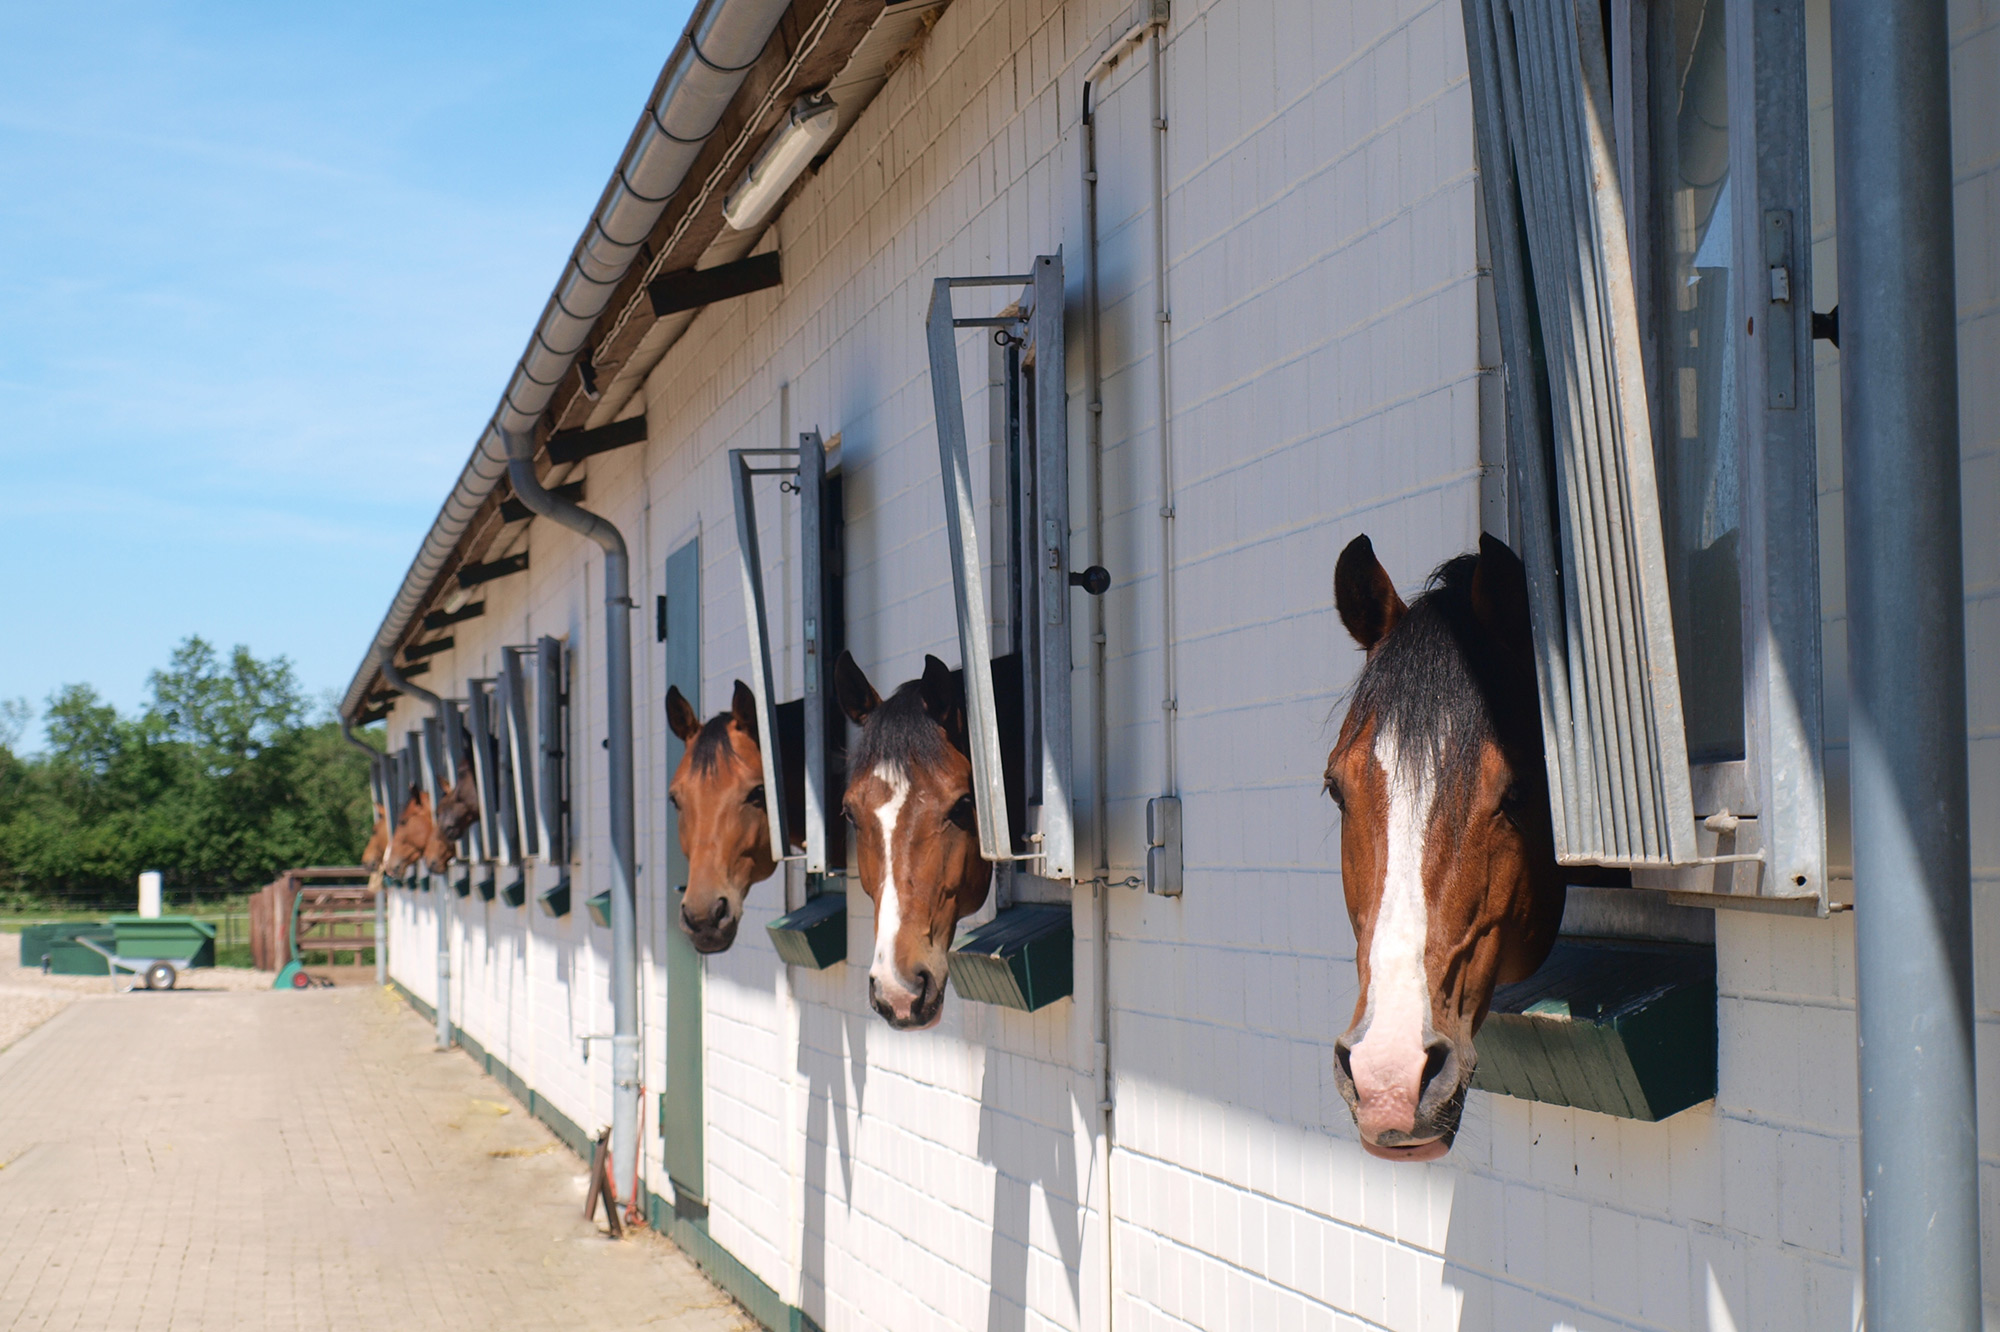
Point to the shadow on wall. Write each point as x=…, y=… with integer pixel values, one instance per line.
x=1027, y=1143
x=833, y=1055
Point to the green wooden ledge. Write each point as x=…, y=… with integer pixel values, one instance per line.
x=814, y=936
x=1622, y=1029
x=1022, y=958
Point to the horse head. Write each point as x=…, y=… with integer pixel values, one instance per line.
x=718, y=791
x=909, y=797
x=459, y=809
x=1446, y=847
x=415, y=831
x=378, y=841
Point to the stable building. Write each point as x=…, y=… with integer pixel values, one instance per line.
x=1071, y=343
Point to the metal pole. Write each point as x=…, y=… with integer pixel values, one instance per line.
x=1906, y=661
x=618, y=717
x=440, y=888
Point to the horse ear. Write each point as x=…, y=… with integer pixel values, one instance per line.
x=857, y=698
x=1363, y=594
x=681, y=717
x=743, y=705
x=1500, y=591
x=941, y=699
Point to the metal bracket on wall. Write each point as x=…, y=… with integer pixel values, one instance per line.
x=1163, y=846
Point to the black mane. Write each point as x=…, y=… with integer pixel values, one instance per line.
x=711, y=746
x=899, y=733
x=1440, y=685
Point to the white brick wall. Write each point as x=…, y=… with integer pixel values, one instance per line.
x=1325, y=364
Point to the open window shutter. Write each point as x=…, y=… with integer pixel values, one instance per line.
x=458, y=753
x=551, y=708
x=518, y=746
x=479, y=721
x=750, y=560
x=1054, y=823
x=436, y=779
x=1589, y=515
x=382, y=786
x=996, y=839
x=812, y=590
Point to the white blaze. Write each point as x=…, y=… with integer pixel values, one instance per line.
x=1388, y=1060
x=888, y=910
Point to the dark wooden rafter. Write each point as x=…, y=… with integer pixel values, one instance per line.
x=573, y=446
x=692, y=288
x=472, y=575
x=512, y=510
x=439, y=619
x=849, y=24
x=418, y=651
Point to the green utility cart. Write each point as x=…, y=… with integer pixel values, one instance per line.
x=56, y=948
x=156, y=948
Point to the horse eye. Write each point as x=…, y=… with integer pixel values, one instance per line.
x=1511, y=805
x=965, y=812
x=848, y=814
x=756, y=797
x=1332, y=788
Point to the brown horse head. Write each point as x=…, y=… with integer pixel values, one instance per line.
x=415, y=833
x=1446, y=849
x=459, y=809
x=909, y=797
x=378, y=841
x=725, y=829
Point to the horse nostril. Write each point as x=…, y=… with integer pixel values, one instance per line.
x=1343, y=1058
x=720, y=912
x=923, y=979
x=689, y=921
x=1437, y=1058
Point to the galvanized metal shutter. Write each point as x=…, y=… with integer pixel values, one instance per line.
x=1042, y=618
x=552, y=715
x=750, y=560
x=493, y=838
x=1589, y=518
x=518, y=752
x=818, y=670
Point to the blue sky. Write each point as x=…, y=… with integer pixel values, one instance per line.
x=263, y=271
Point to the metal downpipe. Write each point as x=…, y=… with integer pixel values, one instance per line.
x=1906, y=661
x=618, y=714
x=440, y=890
x=374, y=879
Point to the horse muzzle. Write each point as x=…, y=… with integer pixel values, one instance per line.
x=1406, y=1113
x=712, y=929
x=908, y=1005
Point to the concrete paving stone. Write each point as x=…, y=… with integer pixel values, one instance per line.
x=221, y=1160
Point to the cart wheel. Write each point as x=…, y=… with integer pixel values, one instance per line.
x=301, y=981
x=160, y=976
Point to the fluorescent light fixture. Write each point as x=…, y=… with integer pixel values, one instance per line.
x=790, y=150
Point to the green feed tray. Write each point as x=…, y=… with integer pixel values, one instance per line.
x=555, y=901
x=486, y=886
x=814, y=936
x=515, y=893
x=1622, y=1029
x=179, y=939
x=600, y=908
x=1019, y=959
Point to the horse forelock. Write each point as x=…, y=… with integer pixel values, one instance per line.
x=900, y=736
x=1440, y=686
x=711, y=745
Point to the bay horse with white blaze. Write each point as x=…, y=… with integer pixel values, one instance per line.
x=725, y=831
x=909, y=797
x=1447, y=853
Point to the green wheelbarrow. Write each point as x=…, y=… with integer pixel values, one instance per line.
x=156, y=949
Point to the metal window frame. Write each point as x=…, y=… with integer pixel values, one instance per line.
x=1042, y=613
x=1763, y=817
x=818, y=670
x=553, y=748
x=496, y=841
x=510, y=695
x=743, y=473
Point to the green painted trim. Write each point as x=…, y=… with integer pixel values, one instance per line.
x=748, y=1289
x=744, y=1286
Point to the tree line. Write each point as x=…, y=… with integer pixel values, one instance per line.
x=225, y=777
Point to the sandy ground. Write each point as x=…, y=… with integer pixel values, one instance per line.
x=28, y=998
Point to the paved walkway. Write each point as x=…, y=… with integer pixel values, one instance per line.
x=266, y=1161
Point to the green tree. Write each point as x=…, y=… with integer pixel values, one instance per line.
x=226, y=777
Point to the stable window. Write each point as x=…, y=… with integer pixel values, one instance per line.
x=801, y=732
x=1028, y=820
x=1644, y=172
